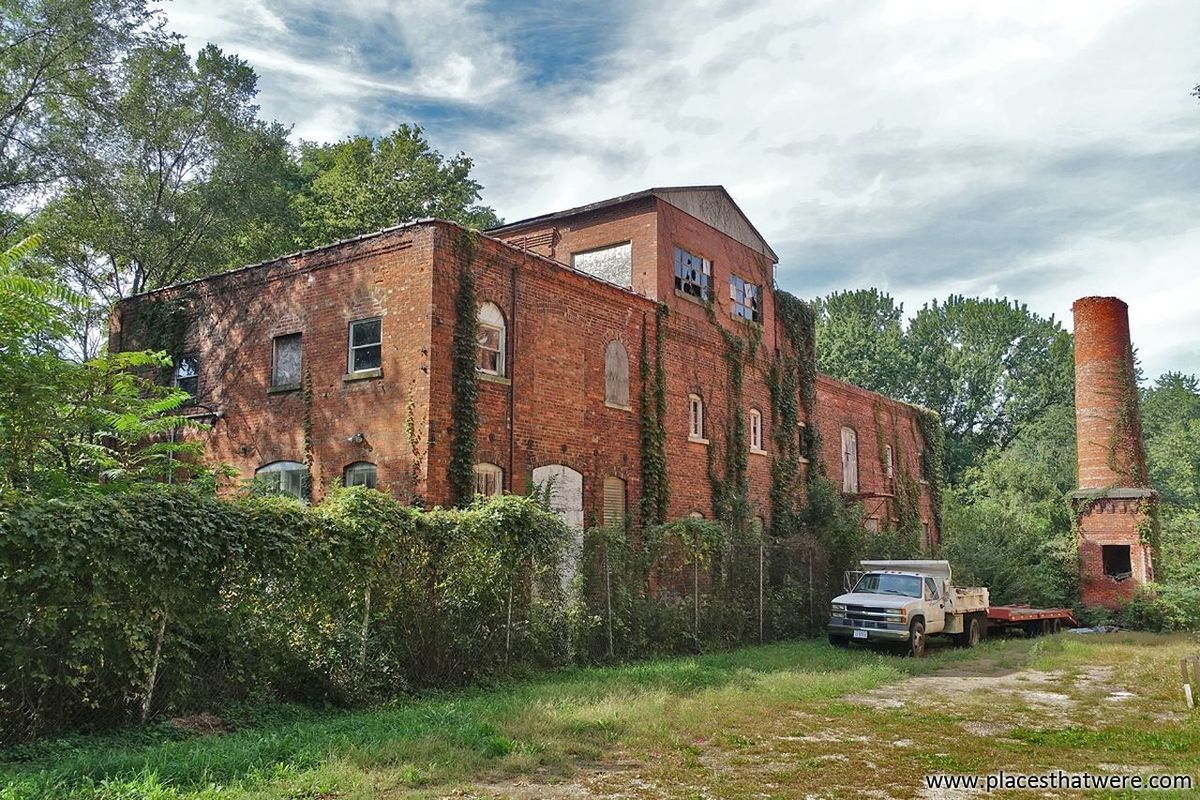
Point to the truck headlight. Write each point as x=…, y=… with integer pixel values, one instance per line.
x=898, y=615
x=838, y=609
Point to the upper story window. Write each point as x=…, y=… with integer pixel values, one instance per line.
x=491, y=340
x=888, y=463
x=696, y=418
x=285, y=362
x=489, y=479
x=613, y=263
x=754, y=421
x=746, y=298
x=693, y=274
x=284, y=477
x=187, y=374
x=360, y=473
x=849, y=461
x=616, y=375
x=366, y=345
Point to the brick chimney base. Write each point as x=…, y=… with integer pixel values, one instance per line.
x=1114, y=561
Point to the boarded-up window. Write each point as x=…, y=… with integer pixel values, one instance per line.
x=871, y=524
x=849, y=461
x=613, y=263
x=286, y=368
x=489, y=479
x=614, y=501
x=616, y=375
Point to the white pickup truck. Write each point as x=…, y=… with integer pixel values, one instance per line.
x=900, y=603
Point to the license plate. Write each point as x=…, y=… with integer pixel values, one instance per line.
x=860, y=634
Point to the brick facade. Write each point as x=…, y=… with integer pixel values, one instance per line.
x=1114, y=496
x=549, y=406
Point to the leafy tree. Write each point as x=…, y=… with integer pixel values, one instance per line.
x=56, y=60
x=1171, y=425
x=188, y=182
x=62, y=422
x=860, y=339
x=989, y=367
x=363, y=184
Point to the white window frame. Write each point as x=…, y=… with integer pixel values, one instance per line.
x=485, y=472
x=890, y=462
x=755, y=423
x=491, y=317
x=696, y=419
x=275, y=382
x=272, y=476
x=849, y=461
x=357, y=466
x=353, y=346
x=194, y=374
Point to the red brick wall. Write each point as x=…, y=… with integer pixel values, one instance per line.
x=549, y=409
x=876, y=421
x=235, y=316
x=1112, y=521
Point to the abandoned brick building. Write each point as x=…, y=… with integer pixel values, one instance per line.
x=338, y=364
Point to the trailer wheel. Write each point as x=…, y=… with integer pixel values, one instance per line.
x=1056, y=626
x=916, y=639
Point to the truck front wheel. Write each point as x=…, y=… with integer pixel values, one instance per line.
x=916, y=638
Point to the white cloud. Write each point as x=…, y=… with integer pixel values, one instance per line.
x=1019, y=148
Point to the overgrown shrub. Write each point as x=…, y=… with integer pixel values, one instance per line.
x=1163, y=607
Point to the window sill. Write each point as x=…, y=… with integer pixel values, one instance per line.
x=691, y=298
x=617, y=406
x=490, y=378
x=283, y=388
x=756, y=451
x=698, y=439
x=803, y=460
x=362, y=375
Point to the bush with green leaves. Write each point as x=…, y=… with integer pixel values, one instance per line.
x=163, y=599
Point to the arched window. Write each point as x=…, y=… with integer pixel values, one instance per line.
x=489, y=479
x=695, y=515
x=616, y=375
x=849, y=461
x=695, y=418
x=360, y=473
x=491, y=340
x=614, y=501
x=754, y=421
x=283, y=477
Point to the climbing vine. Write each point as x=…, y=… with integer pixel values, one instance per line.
x=652, y=393
x=792, y=384
x=159, y=325
x=933, y=457
x=306, y=424
x=464, y=393
x=1126, y=434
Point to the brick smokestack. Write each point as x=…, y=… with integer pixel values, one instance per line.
x=1108, y=424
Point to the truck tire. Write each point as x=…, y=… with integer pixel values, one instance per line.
x=916, y=639
x=839, y=641
x=973, y=631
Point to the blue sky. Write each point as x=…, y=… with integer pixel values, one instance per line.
x=1038, y=150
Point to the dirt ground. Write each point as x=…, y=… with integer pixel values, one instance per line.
x=1022, y=708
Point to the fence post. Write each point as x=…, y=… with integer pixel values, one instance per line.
x=760, y=591
x=153, y=676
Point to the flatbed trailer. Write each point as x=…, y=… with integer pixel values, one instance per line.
x=1033, y=621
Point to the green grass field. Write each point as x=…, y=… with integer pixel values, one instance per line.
x=789, y=720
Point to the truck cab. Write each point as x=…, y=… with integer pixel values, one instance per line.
x=900, y=603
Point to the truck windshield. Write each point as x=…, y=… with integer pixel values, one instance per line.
x=883, y=583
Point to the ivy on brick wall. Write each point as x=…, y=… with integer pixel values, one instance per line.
x=158, y=325
x=792, y=383
x=464, y=393
x=933, y=457
x=656, y=489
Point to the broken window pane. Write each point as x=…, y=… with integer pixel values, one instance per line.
x=746, y=298
x=692, y=274
x=1117, y=561
x=187, y=374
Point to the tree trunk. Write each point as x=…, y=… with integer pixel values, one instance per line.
x=152, y=678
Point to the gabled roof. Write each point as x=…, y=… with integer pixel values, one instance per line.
x=710, y=204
